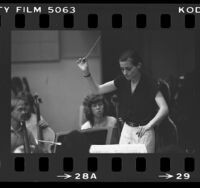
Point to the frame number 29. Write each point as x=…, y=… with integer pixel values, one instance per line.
x=182, y=176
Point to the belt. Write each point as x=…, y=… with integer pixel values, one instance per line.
x=132, y=124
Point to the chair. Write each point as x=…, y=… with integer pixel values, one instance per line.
x=165, y=89
x=167, y=136
x=175, y=129
x=166, y=133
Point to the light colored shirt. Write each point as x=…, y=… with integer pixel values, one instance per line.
x=110, y=122
x=17, y=138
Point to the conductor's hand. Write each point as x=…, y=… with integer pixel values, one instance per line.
x=141, y=130
x=83, y=65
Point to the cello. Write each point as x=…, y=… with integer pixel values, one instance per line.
x=26, y=147
x=45, y=136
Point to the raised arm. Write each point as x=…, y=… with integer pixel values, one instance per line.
x=95, y=88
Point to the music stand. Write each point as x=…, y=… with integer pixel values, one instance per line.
x=79, y=141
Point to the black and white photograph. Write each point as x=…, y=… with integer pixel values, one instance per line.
x=109, y=91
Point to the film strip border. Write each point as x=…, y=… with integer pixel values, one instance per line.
x=102, y=16
x=44, y=21
x=104, y=167
x=108, y=168
x=92, y=164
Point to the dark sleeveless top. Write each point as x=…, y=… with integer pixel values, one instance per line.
x=140, y=106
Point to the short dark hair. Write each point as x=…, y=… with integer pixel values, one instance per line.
x=93, y=99
x=131, y=55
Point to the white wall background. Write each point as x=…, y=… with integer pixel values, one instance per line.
x=60, y=84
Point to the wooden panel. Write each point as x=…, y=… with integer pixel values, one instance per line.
x=34, y=46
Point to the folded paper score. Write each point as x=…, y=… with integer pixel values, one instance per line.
x=118, y=148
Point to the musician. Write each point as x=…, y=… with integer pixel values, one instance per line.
x=142, y=105
x=95, y=109
x=18, y=111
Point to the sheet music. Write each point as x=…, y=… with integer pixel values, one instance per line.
x=118, y=148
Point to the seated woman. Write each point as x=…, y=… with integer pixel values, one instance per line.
x=95, y=109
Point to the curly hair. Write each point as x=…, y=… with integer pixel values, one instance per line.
x=17, y=101
x=93, y=99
